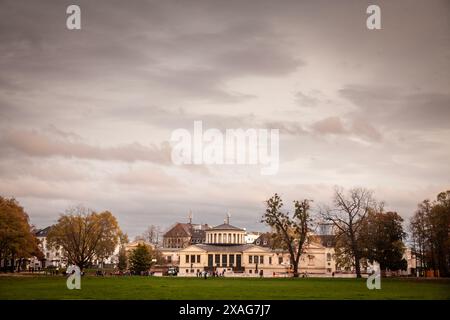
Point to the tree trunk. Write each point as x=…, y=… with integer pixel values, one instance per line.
x=355, y=252
x=295, y=270
x=357, y=265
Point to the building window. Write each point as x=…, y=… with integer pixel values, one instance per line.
x=193, y=258
x=187, y=270
x=250, y=271
x=250, y=259
x=169, y=259
x=311, y=260
x=224, y=260
x=217, y=259
x=261, y=259
x=270, y=260
x=255, y=259
x=238, y=260
x=231, y=260
x=210, y=260
x=198, y=258
x=280, y=260
x=187, y=258
x=328, y=256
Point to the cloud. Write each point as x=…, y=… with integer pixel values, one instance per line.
x=330, y=125
x=286, y=127
x=36, y=144
x=312, y=98
x=362, y=128
x=354, y=107
x=151, y=177
x=393, y=107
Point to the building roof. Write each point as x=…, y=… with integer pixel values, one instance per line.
x=226, y=226
x=43, y=232
x=186, y=230
x=226, y=248
x=197, y=234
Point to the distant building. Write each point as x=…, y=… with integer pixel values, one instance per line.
x=225, y=251
x=181, y=235
x=264, y=240
x=133, y=245
x=52, y=257
x=250, y=237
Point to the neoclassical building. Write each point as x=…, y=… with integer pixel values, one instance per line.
x=225, y=250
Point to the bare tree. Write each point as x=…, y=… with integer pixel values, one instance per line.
x=419, y=233
x=152, y=234
x=347, y=214
x=292, y=231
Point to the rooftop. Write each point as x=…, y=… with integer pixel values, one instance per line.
x=225, y=247
x=226, y=226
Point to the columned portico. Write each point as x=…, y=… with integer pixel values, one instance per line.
x=225, y=234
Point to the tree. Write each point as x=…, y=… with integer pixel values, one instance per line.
x=347, y=214
x=418, y=229
x=140, y=259
x=123, y=260
x=430, y=232
x=293, y=231
x=381, y=238
x=152, y=235
x=17, y=238
x=84, y=235
x=439, y=221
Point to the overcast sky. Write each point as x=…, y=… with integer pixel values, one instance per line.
x=86, y=116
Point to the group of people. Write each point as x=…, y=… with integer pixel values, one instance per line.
x=206, y=274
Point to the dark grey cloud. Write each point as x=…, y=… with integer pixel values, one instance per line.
x=393, y=107
x=149, y=44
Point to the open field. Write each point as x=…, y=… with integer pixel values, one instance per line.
x=46, y=287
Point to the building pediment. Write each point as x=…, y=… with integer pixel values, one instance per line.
x=193, y=248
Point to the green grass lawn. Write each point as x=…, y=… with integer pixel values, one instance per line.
x=47, y=287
